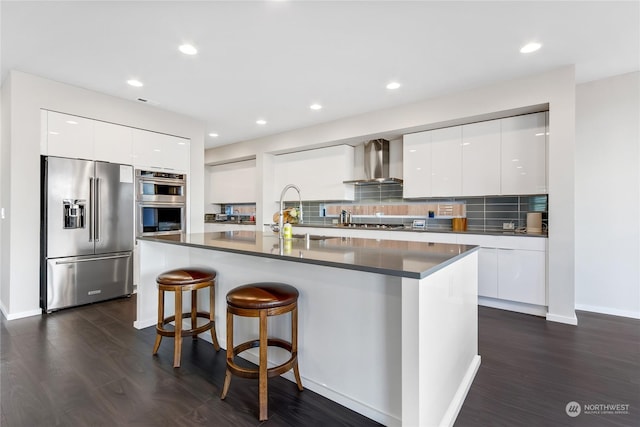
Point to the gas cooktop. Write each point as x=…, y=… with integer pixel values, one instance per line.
x=382, y=226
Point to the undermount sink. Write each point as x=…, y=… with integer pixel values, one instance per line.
x=313, y=237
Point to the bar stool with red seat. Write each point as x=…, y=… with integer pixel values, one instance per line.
x=179, y=281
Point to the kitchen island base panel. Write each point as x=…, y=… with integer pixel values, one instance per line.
x=442, y=343
x=353, y=313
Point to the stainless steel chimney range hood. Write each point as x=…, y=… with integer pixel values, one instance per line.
x=376, y=164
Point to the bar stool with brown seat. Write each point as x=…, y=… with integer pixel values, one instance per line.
x=262, y=300
x=179, y=281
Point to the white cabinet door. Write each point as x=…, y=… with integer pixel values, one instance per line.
x=524, y=152
x=160, y=151
x=446, y=162
x=113, y=143
x=233, y=182
x=481, y=158
x=488, y=272
x=416, y=165
x=69, y=136
x=318, y=173
x=521, y=276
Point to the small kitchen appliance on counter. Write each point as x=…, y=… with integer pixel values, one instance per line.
x=534, y=223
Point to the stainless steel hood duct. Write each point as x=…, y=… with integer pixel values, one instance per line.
x=376, y=164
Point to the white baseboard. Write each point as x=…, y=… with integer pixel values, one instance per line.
x=569, y=320
x=342, y=399
x=141, y=324
x=14, y=316
x=519, y=307
x=608, y=310
x=453, y=410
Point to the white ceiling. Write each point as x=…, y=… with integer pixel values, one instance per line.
x=272, y=59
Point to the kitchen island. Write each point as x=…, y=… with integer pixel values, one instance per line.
x=387, y=328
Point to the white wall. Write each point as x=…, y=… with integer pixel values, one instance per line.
x=608, y=195
x=20, y=185
x=555, y=89
x=5, y=132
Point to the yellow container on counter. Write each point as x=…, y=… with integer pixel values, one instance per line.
x=459, y=224
x=287, y=231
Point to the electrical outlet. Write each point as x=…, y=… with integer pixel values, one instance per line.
x=507, y=226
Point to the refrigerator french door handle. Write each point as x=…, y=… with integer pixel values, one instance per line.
x=97, y=216
x=91, y=209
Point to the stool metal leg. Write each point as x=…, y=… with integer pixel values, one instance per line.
x=263, y=366
x=160, y=320
x=177, y=349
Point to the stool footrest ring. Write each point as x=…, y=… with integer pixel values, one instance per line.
x=271, y=372
x=185, y=332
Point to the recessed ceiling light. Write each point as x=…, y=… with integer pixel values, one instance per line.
x=188, y=49
x=71, y=122
x=530, y=47
x=261, y=122
x=213, y=135
x=52, y=132
x=135, y=83
x=315, y=106
x=393, y=85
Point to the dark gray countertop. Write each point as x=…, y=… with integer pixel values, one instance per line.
x=390, y=257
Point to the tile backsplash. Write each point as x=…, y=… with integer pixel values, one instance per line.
x=383, y=204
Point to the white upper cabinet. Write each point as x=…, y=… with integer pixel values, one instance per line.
x=159, y=151
x=481, y=158
x=416, y=164
x=232, y=182
x=524, y=153
x=113, y=143
x=446, y=162
x=318, y=173
x=494, y=157
x=69, y=136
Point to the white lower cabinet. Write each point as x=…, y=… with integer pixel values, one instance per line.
x=488, y=272
x=521, y=276
x=511, y=268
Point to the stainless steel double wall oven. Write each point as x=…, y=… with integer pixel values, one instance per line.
x=161, y=200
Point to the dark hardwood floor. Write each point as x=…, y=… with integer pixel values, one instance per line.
x=88, y=366
x=531, y=369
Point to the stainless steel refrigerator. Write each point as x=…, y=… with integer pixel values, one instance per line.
x=87, y=232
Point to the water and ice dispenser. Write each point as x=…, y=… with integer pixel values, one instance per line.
x=74, y=213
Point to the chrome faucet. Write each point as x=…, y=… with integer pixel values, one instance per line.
x=281, y=218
